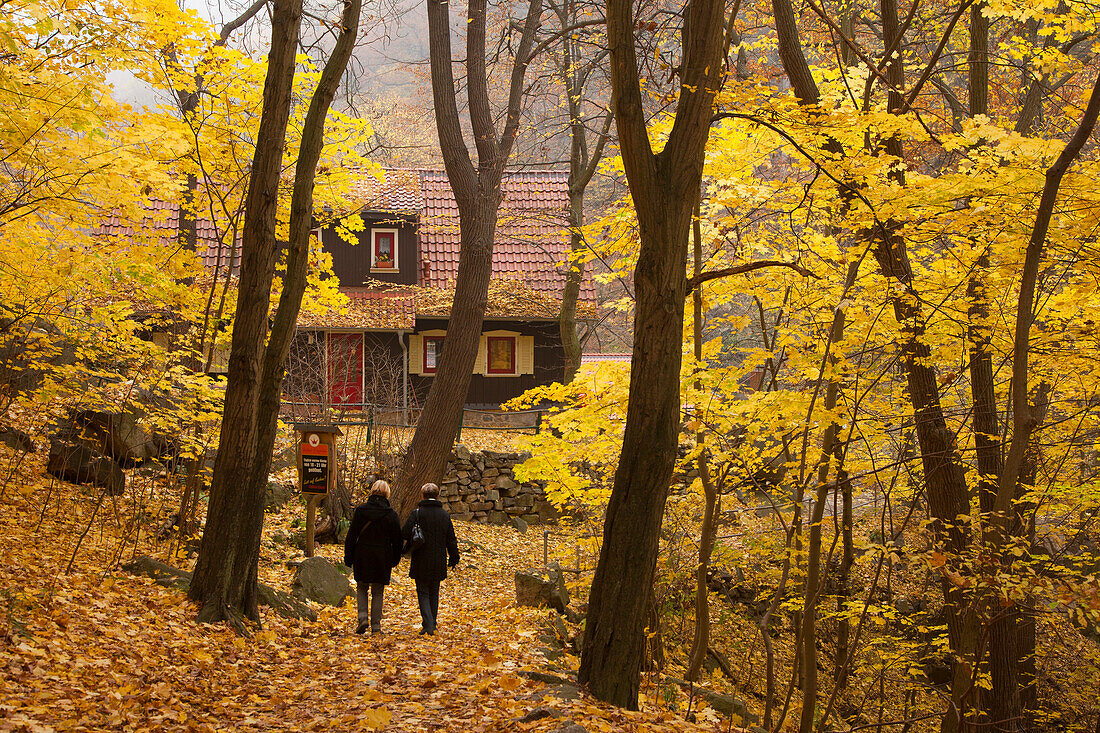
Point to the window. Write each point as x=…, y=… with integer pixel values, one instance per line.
x=433, y=349
x=383, y=249
x=501, y=354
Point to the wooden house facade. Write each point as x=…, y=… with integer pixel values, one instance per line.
x=383, y=349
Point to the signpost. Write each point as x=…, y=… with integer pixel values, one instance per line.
x=316, y=469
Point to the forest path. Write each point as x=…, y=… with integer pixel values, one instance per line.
x=98, y=649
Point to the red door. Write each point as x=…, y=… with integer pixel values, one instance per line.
x=345, y=370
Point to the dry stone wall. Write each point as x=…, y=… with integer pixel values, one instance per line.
x=480, y=487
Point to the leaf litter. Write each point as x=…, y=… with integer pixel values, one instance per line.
x=98, y=649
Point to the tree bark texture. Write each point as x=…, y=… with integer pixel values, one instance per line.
x=665, y=188
x=477, y=192
x=224, y=583
x=285, y=321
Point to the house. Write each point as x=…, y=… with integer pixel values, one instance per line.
x=398, y=275
x=384, y=348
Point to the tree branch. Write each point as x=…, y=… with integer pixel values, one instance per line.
x=697, y=280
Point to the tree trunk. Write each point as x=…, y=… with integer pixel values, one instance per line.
x=582, y=166
x=567, y=318
x=701, y=642
x=478, y=195
x=944, y=476
x=442, y=414
x=664, y=188
x=224, y=583
x=225, y=576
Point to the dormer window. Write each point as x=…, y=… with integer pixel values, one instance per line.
x=383, y=257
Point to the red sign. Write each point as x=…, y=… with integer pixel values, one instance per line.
x=315, y=466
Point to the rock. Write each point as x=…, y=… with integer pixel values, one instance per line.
x=542, y=588
x=170, y=577
x=277, y=496
x=548, y=514
x=505, y=484
x=538, y=714
x=570, y=727
x=284, y=459
x=16, y=439
x=519, y=524
x=80, y=464
x=491, y=473
x=492, y=495
x=496, y=517
x=119, y=435
x=319, y=580
x=461, y=453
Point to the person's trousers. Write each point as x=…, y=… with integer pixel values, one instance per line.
x=427, y=597
x=369, y=604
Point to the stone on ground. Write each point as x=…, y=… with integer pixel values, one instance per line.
x=319, y=580
x=542, y=588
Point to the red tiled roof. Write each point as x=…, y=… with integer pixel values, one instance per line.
x=369, y=308
x=398, y=191
x=532, y=228
x=162, y=222
x=531, y=238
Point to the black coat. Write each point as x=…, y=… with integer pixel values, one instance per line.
x=440, y=547
x=373, y=545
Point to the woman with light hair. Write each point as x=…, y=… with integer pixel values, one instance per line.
x=372, y=549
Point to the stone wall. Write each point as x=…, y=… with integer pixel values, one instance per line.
x=480, y=487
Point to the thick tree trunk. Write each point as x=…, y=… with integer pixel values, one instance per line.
x=284, y=323
x=478, y=195
x=614, y=640
x=225, y=576
x=224, y=582
x=435, y=432
x=664, y=188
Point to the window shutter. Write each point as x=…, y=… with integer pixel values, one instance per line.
x=416, y=353
x=481, y=365
x=525, y=355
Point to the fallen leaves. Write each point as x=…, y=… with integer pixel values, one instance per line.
x=97, y=649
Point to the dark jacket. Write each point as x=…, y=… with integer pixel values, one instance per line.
x=373, y=545
x=440, y=547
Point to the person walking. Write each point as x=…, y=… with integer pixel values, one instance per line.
x=372, y=549
x=439, y=551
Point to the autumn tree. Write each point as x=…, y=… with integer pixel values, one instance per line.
x=477, y=191
x=664, y=185
x=224, y=582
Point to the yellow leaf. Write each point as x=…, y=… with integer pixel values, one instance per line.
x=375, y=718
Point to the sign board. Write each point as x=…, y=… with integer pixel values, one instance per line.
x=315, y=465
x=317, y=458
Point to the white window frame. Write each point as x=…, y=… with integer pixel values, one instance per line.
x=374, y=250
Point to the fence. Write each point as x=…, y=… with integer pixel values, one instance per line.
x=386, y=416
